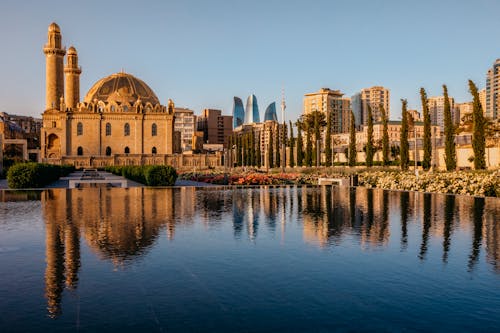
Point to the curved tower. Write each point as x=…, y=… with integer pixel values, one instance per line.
x=72, y=72
x=238, y=112
x=252, y=110
x=270, y=113
x=54, y=71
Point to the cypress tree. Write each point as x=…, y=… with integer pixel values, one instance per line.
x=300, y=145
x=426, y=162
x=245, y=150
x=278, y=147
x=239, y=158
x=270, y=155
x=258, y=157
x=478, y=129
x=405, y=147
x=352, y=141
x=317, y=139
x=291, y=141
x=369, y=138
x=309, y=149
x=385, y=136
x=450, y=154
x=328, y=140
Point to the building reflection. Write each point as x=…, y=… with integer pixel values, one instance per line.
x=121, y=225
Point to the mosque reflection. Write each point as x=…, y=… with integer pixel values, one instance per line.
x=121, y=225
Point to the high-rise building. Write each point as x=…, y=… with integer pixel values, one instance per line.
x=493, y=91
x=270, y=113
x=238, y=112
x=482, y=99
x=436, y=110
x=330, y=102
x=374, y=96
x=252, y=110
x=184, y=123
x=216, y=127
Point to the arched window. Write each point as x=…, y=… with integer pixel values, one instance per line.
x=79, y=129
x=108, y=129
x=153, y=151
x=108, y=151
x=79, y=151
x=127, y=150
x=126, y=129
x=154, y=130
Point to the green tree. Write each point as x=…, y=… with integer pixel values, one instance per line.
x=246, y=149
x=478, y=129
x=385, y=136
x=352, y=141
x=270, y=149
x=450, y=155
x=369, y=139
x=291, y=141
x=426, y=161
x=239, y=151
x=309, y=149
x=278, y=147
x=328, y=140
x=258, y=157
x=405, y=146
x=300, y=144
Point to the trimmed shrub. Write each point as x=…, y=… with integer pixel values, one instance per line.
x=160, y=175
x=34, y=175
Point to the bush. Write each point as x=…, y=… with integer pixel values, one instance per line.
x=34, y=175
x=151, y=175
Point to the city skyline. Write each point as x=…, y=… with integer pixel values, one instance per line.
x=202, y=54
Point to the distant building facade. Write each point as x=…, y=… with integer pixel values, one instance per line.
x=252, y=111
x=436, y=110
x=493, y=91
x=216, y=128
x=185, y=124
x=374, y=97
x=270, y=113
x=330, y=102
x=238, y=112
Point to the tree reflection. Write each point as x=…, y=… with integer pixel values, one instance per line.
x=449, y=214
x=477, y=235
x=426, y=226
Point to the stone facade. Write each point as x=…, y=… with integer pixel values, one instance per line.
x=120, y=121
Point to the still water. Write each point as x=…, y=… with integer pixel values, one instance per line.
x=262, y=259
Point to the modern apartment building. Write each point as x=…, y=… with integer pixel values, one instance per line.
x=216, y=127
x=330, y=102
x=374, y=96
x=436, y=110
x=184, y=123
x=493, y=91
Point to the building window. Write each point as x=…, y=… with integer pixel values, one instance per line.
x=153, y=130
x=127, y=150
x=108, y=151
x=79, y=151
x=153, y=151
x=112, y=108
x=108, y=129
x=54, y=124
x=126, y=129
x=79, y=129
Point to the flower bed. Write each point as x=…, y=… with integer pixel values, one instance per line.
x=460, y=182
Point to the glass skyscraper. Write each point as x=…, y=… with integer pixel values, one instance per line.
x=252, y=111
x=270, y=113
x=238, y=112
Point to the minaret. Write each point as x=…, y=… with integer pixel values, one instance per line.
x=72, y=72
x=54, y=76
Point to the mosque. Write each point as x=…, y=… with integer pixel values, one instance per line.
x=119, y=122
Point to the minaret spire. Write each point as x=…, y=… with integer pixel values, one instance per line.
x=54, y=76
x=72, y=72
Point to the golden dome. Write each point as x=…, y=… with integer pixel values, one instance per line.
x=71, y=50
x=53, y=27
x=121, y=88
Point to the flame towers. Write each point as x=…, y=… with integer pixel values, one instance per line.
x=252, y=110
x=238, y=112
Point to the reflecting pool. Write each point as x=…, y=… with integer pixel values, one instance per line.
x=259, y=259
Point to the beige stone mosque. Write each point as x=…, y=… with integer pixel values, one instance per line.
x=119, y=122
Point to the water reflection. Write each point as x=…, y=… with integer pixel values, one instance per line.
x=122, y=225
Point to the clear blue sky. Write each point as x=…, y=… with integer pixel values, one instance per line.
x=202, y=53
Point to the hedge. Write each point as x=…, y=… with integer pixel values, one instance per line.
x=35, y=175
x=150, y=175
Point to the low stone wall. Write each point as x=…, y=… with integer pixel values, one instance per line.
x=178, y=161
